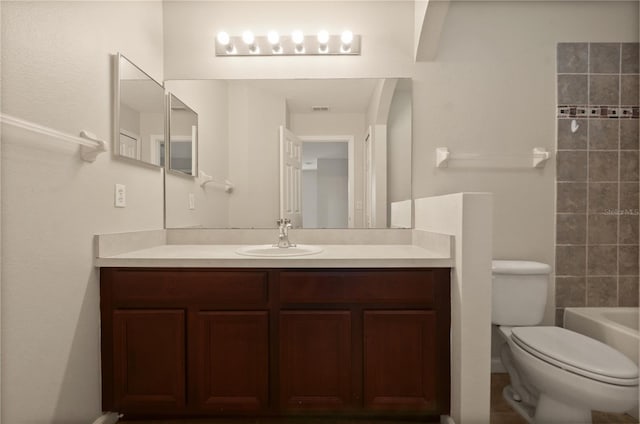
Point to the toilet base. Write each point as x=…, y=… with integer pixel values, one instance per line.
x=523, y=409
x=550, y=411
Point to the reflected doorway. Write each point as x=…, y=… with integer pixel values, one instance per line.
x=327, y=182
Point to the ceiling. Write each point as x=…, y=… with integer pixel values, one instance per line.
x=349, y=95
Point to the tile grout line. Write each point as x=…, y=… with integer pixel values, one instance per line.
x=619, y=180
x=586, y=225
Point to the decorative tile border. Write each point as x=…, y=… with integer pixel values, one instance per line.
x=583, y=111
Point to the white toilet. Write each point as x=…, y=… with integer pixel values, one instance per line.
x=557, y=375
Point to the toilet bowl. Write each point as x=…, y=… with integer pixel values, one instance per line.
x=557, y=375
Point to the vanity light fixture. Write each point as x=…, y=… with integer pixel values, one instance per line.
x=323, y=42
x=224, y=41
x=250, y=40
x=274, y=39
x=273, y=44
x=298, y=40
x=346, y=38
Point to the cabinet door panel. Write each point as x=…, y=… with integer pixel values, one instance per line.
x=400, y=369
x=315, y=360
x=233, y=360
x=149, y=360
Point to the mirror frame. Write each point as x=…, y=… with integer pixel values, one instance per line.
x=116, y=111
x=194, y=150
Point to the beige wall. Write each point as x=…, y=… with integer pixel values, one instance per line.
x=56, y=71
x=492, y=89
x=255, y=116
x=209, y=99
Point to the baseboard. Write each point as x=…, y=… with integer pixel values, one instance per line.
x=445, y=419
x=107, y=418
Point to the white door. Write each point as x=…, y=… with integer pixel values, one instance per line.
x=290, y=177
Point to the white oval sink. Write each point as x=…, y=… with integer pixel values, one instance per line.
x=270, y=250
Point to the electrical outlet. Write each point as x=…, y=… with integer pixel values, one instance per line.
x=192, y=201
x=120, y=196
x=359, y=205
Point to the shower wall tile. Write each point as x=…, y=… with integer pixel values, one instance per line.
x=571, y=260
x=629, y=133
x=602, y=260
x=630, y=62
x=598, y=172
x=629, y=166
x=560, y=317
x=628, y=291
x=629, y=90
x=572, y=58
x=603, y=197
x=571, y=291
x=604, y=58
x=629, y=196
x=572, y=89
x=628, y=260
x=603, y=229
x=572, y=166
x=568, y=140
x=603, y=134
x=604, y=89
x=571, y=229
x=571, y=197
x=629, y=229
x=602, y=291
x=603, y=166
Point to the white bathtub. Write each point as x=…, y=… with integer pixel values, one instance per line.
x=617, y=327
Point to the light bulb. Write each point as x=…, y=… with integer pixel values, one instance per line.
x=346, y=38
x=248, y=37
x=297, y=37
x=323, y=37
x=223, y=38
x=273, y=38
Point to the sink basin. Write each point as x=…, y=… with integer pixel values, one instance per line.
x=268, y=250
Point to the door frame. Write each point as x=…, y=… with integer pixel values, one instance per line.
x=349, y=139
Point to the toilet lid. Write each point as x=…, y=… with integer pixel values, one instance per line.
x=519, y=267
x=577, y=353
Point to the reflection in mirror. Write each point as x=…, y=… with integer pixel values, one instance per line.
x=332, y=153
x=139, y=114
x=183, y=136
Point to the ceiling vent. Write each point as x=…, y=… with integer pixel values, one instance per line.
x=320, y=108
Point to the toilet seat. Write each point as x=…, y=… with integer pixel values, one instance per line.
x=576, y=353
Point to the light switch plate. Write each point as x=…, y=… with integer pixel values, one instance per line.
x=192, y=201
x=120, y=196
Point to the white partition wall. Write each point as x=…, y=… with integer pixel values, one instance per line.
x=468, y=218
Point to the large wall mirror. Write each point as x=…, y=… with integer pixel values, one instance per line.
x=139, y=115
x=329, y=153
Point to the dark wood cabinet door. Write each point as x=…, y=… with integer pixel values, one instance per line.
x=149, y=360
x=315, y=360
x=232, y=361
x=400, y=368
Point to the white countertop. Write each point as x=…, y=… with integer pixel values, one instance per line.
x=332, y=256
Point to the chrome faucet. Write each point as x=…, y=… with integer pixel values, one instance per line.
x=283, y=233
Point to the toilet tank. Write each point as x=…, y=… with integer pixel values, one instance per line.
x=519, y=292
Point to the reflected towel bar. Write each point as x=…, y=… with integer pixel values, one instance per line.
x=90, y=145
x=205, y=179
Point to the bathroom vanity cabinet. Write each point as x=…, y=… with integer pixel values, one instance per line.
x=275, y=342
